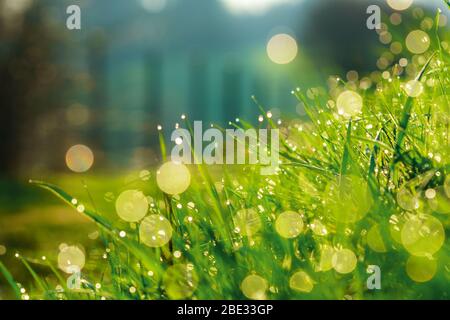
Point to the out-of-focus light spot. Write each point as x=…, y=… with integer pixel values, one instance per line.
x=414, y=88
x=400, y=5
x=418, y=42
x=352, y=75
x=301, y=281
x=254, y=7
x=131, y=205
x=396, y=18
x=421, y=269
x=154, y=6
x=71, y=259
x=254, y=287
x=2, y=250
x=289, y=224
x=365, y=83
x=173, y=178
x=178, y=141
x=326, y=258
x=79, y=158
x=318, y=228
x=430, y=194
x=155, y=231
x=406, y=199
x=344, y=261
x=247, y=222
x=443, y=20
x=375, y=240
x=349, y=198
x=385, y=37
x=180, y=281
x=122, y=234
x=282, y=48
x=93, y=235
x=349, y=103
x=396, y=48
x=423, y=235
x=403, y=62
x=77, y=114
x=447, y=185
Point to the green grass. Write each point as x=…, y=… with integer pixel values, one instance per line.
x=349, y=174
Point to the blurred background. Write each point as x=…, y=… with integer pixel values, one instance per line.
x=139, y=64
x=142, y=63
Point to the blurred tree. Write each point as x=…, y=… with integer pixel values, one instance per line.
x=336, y=31
x=31, y=88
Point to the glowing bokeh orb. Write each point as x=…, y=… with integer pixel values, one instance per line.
x=79, y=158
x=406, y=199
x=400, y=5
x=155, y=231
x=282, y=48
x=180, y=281
x=247, y=222
x=440, y=202
x=447, y=186
x=131, y=205
x=349, y=103
x=289, y=224
x=344, y=261
x=423, y=235
x=71, y=259
x=301, y=281
x=375, y=240
x=421, y=269
x=414, y=88
x=348, y=198
x=418, y=42
x=318, y=228
x=254, y=287
x=326, y=258
x=173, y=178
